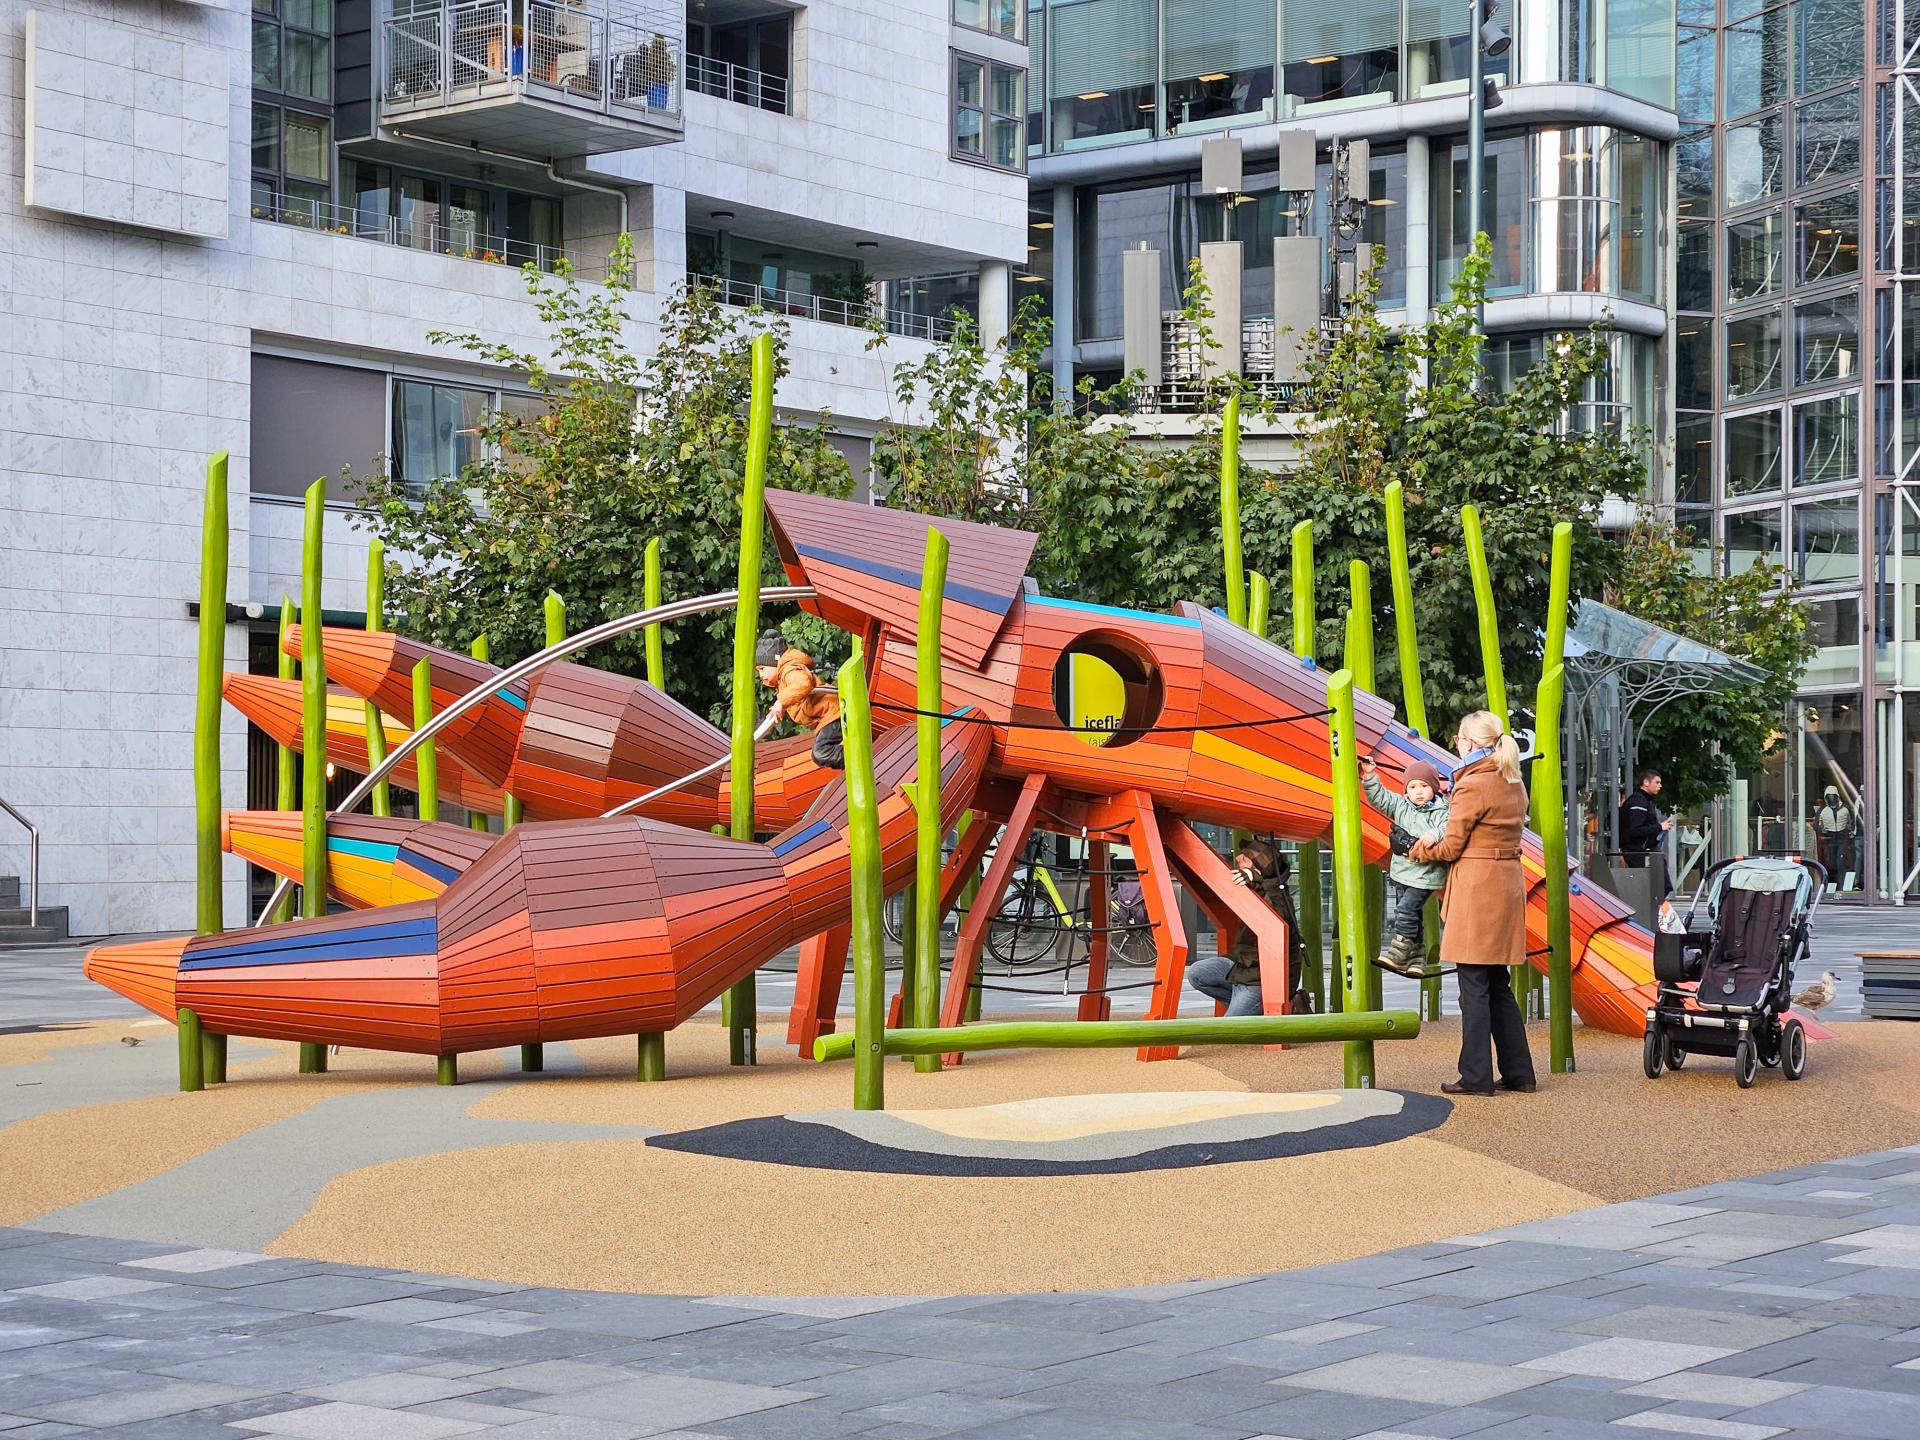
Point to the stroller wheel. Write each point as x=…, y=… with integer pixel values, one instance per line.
x=1674, y=1055
x=1793, y=1050
x=1746, y=1062
x=1651, y=1054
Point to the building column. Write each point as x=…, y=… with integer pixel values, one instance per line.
x=1063, y=288
x=996, y=299
x=1419, y=241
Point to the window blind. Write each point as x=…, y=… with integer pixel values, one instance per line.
x=1339, y=27
x=1441, y=19
x=1101, y=45
x=1206, y=36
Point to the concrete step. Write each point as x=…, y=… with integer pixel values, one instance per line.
x=9, y=890
x=14, y=927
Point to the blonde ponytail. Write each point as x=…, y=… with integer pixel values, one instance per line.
x=1482, y=730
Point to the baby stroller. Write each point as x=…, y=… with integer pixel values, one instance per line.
x=1725, y=983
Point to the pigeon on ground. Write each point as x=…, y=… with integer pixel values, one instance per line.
x=1817, y=994
x=129, y=1039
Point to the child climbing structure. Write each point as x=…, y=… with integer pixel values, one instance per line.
x=576, y=924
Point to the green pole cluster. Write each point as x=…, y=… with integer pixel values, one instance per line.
x=1230, y=510
x=209, y=911
x=426, y=760
x=1550, y=804
x=377, y=620
x=1305, y=623
x=863, y=845
x=926, y=796
x=286, y=786
x=1348, y=869
x=481, y=649
x=655, y=636
x=1259, y=602
x=1359, y=661
x=1414, y=698
x=739, y=1004
x=313, y=735
x=1489, y=620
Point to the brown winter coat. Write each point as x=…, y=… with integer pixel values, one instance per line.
x=1485, y=902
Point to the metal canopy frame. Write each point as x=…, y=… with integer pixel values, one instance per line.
x=1621, y=671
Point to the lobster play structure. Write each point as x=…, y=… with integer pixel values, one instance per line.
x=579, y=923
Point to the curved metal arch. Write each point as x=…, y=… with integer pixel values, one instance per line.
x=533, y=665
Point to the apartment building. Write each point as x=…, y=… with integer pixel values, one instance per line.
x=232, y=227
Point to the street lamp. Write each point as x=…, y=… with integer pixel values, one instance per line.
x=1488, y=38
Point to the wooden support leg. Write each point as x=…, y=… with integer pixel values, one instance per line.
x=192, y=1057
x=313, y=1058
x=652, y=1062
x=1209, y=879
x=447, y=1070
x=1095, y=1005
x=1163, y=908
x=816, y=989
x=213, y=1058
x=533, y=1058
x=973, y=934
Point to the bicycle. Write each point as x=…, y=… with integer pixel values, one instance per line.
x=1034, y=915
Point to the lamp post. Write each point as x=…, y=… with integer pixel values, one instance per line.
x=1485, y=37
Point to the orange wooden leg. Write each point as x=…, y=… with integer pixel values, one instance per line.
x=973, y=931
x=816, y=989
x=1210, y=880
x=1163, y=908
x=1097, y=1006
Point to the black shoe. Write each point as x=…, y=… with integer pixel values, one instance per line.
x=1522, y=1087
x=1456, y=1087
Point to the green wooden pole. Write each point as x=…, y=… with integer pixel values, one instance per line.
x=739, y=1005
x=209, y=907
x=426, y=760
x=446, y=1070
x=1348, y=868
x=863, y=844
x=651, y=1060
x=1311, y=904
x=286, y=785
x=480, y=650
x=377, y=620
x=313, y=736
x=926, y=795
x=1364, y=1027
x=969, y=894
x=1550, y=804
x=1259, y=602
x=1412, y=693
x=1359, y=660
x=655, y=636
x=1230, y=510
x=1489, y=620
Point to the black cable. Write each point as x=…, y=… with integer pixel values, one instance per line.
x=1135, y=730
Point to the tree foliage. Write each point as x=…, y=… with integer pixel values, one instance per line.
x=567, y=493
x=1692, y=742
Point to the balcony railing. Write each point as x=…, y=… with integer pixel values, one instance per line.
x=1183, y=386
x=833, y=310
x=457, y=241
x=617, y=60
x=726, y=81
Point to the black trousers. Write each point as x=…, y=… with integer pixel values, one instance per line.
x=1488, y=1012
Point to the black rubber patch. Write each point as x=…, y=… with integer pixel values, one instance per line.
x=776, y=1140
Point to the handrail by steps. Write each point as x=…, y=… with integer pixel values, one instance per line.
x=33, y=864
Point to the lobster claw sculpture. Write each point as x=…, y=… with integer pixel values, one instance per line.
x=578, y=924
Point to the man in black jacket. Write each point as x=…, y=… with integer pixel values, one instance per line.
x=1643, y=829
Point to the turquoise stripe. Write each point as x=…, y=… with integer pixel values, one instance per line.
x=371, y=849
x=1056, y=604
x=511, y=699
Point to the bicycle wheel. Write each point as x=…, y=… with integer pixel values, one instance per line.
x=893, y=916
x=1024, y=929
x=1128, y=942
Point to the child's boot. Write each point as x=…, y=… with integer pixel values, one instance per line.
x=1402, y=956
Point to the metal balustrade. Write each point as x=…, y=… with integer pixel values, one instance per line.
x=743, y=86
x=830, y=309
x=461, y=242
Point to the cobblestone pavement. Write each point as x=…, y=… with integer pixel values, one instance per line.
x=1786, y=1304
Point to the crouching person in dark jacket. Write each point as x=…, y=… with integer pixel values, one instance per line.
x=1233, y=979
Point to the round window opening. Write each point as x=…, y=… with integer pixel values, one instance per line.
x=1108, y=688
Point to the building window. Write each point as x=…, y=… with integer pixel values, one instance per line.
x=1826, y=542
x=453, y=217
x=996, y=17
x=1504, y=215
x=1827, y=234
x=1756, y=161
x=989, y=113
x=1751, y=537
x=1342, y=50
x=1827, y=137
x=1755, y=59
x=292, y=164
x=1827, y=42
x=1826, y=440
x=293, y=47
x=292, y=111
x=749, y=62
x=1218, y=61
x=1827, y=341
x=1101, y=68
x=1753, y=454
x=437, y=432
x=1753, y=258
x=1753, y=355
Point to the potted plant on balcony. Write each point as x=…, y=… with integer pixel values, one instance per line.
x=657, y=71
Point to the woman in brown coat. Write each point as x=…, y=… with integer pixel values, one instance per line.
x=1485, y=904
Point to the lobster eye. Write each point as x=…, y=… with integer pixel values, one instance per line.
x=1110, y=686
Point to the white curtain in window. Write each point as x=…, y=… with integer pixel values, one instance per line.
x=1339, y=27
x=1207, y=36
x=1101, y=45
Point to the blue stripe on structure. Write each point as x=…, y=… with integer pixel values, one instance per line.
x=793, y=842
x=443, y=873
x=255, y=942
x=371, y=849
x=965, y=594
x=376, y=943
x=1051, y=603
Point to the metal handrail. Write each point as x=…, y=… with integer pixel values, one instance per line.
x=33, y=864
x=827, y=309
x=521, y=670
x=712, y=767
x=724, y=80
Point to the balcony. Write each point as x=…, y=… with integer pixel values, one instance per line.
x=829, y=309
x=459, y=242
x=543, y=78
x=743, y=86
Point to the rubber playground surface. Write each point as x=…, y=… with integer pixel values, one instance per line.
x=1019, y=1171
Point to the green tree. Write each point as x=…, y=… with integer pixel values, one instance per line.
x=1696, y=743
x=568, y=492
x=1411, y=404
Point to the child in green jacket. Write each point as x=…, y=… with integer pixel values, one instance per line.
x=1415, y=815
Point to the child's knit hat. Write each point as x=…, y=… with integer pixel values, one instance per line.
x=1424, y=772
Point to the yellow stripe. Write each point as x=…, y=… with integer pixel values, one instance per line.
x=1205, y=742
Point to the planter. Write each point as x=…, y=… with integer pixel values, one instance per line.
x=657, y=95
